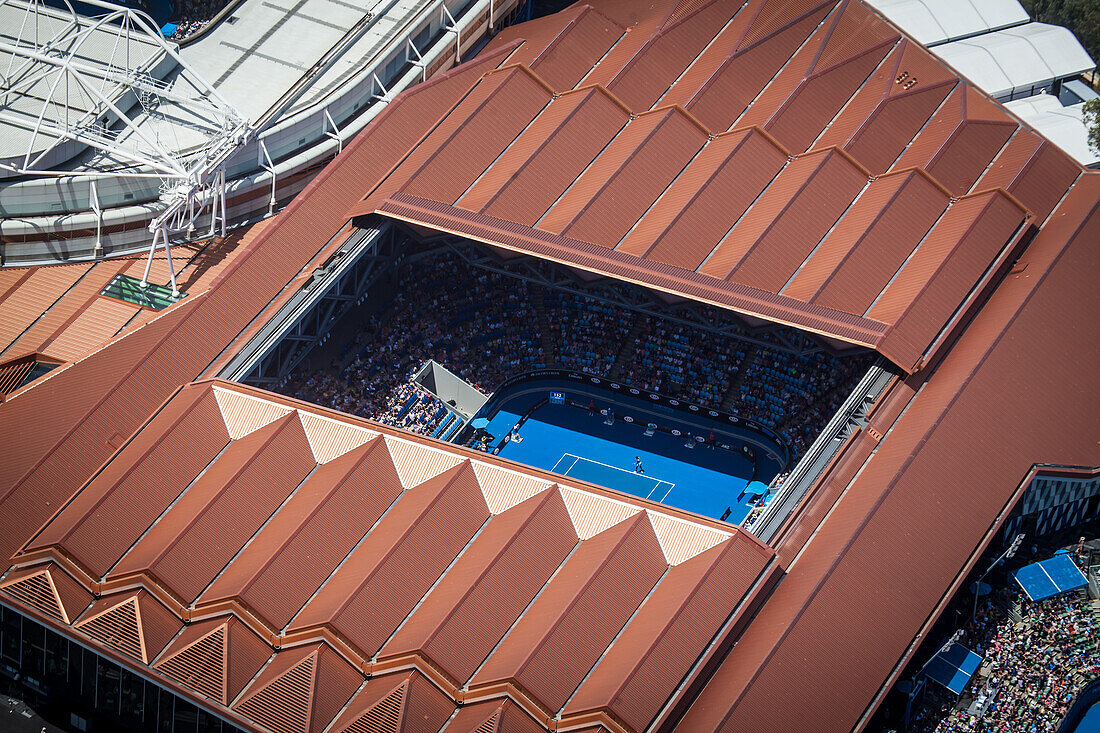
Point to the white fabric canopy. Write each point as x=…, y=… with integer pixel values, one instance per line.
x=936, y=21
x=1018, y=62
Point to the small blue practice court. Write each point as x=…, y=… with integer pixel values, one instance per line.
x=703, y=480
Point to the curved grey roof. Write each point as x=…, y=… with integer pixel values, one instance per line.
x=1018, y=62
x=937, y=21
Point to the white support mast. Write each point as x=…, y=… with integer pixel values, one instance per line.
x=108, y=104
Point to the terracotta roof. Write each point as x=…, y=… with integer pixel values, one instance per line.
x=387, y=552
x=736, y=154
x=506, y=568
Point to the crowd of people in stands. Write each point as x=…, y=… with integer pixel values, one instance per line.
x=1033, y=666
x=486, y=326
x=191, y=15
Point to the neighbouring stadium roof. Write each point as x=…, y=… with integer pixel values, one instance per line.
x=933, y=22
x=1018, y=61
x=872, y=553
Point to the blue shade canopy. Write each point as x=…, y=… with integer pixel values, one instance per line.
x=1048, y=578
x=953, y=667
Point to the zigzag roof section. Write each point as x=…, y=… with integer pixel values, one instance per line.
x=693, y=170
x=440, y=580
x=48, y=589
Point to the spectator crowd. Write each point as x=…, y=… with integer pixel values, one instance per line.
x=1034, y=667
x=191, y=15
x=486, y=326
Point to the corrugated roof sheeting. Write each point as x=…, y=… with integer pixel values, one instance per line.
x=373, y=591
x=471, y=609
x=212, y=520
x=881, y=248
x=551, y=153
x=120, y=503
x=961, y=268
x=854, y=48
x=643, y=668
x=769, y=263
x=293, y=555
x=492, y=716
x=322, y=566
x=555, y=644
x=728, y=175
x=636, y=181
x=671, y=50
x=45, y=285
x=723, y=97
x=512, y=98
x=401, y=703
x=577, y=49
x=1034, y=171
x=976, y=228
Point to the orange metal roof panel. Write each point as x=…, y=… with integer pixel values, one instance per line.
x=212, y=520
x=294, y=553
x=975, y=224
x=812, y=106
x=1020, y=332
x=883, y=246
x=421, y=109
x=95, y=325
x=401, y=703
x=576, y=49
x=766, y=209
x=696, y=211
x=956, y=271
x=845, y=236
x=113, y=510
x=664, y=57
x=512, y=98
x=743, y=76
x=626, y=179
x=554, y=645
x=647, y=662
x=493, y=716
x=34, y=490
x=908, y=71
x=60, y=316
x=1043, y=180
x=637, y=183
x=380, y=582
x=964, y=157
x=552, y=152
x=45, y=286
x=783, y=247
x=894, y=124
x=464, y=617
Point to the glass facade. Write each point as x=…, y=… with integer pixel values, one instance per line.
x=50, y=672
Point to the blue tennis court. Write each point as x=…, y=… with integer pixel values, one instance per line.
x=570, y=442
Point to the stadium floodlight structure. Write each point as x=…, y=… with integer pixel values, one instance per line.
x=55, y=92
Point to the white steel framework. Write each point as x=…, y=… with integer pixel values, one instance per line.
x=69, y=78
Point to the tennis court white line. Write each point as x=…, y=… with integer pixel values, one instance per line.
x=657, y=483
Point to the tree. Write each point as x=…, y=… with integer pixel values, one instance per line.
x=1092, y=123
